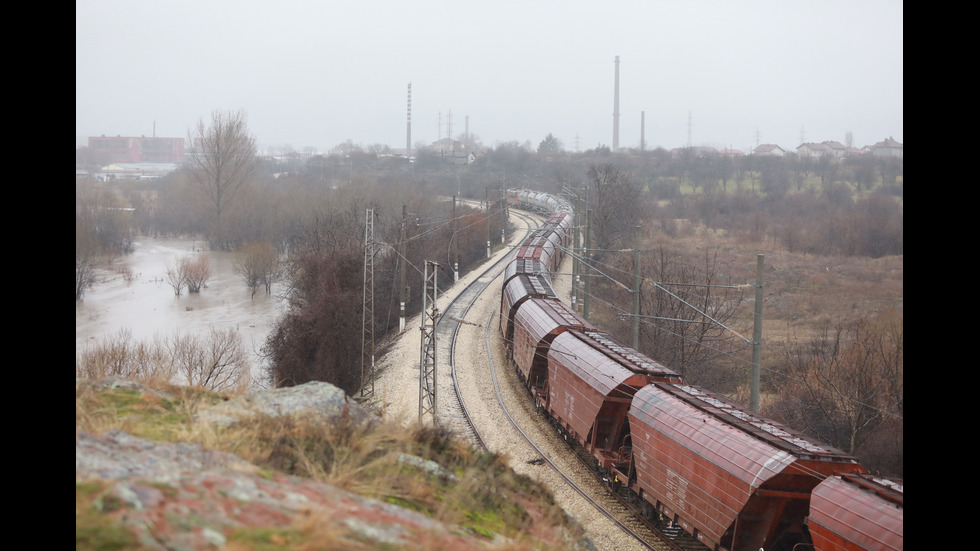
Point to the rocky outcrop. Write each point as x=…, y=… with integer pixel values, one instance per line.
x=184, y=496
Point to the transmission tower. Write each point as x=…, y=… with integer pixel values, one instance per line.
x=427, y=355
x=367, y=312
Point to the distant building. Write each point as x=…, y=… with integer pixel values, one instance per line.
x=887, y=148
x=835, y=149
x=768, y=149
x=134, y=171
x=815, y=150
x=138, y=150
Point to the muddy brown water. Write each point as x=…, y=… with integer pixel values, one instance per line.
x=145, y=304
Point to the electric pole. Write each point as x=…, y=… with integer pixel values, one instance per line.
x=636, y=291
x=427, y=355
x=403, y=290
x=757, y=335
x=367, y=311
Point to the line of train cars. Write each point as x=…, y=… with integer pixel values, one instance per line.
x=730, y=478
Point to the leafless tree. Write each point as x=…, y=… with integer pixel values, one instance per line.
x=615, y=205
x=846, y=385
x=216, y=361
x=176, y=276
x=119, y=355
x=189, y=272
x=197, y=272
x=258, y=264
x=222, y=158
x=689, y=312
x=87, y=259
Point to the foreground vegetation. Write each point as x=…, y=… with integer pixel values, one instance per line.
x=476, y=492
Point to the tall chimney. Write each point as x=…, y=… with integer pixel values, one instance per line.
x=615, y=146
x=408, y=132
x=643, y=131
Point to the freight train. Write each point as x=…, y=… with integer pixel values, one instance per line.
x=730, y=478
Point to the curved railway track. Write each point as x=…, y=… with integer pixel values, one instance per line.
x=622, y=517
x=453, y=414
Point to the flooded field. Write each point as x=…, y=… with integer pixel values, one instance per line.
x=135, y=296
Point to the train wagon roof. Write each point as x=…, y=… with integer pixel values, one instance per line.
x=518, y=289
x=775, y=434
x=543, y=316
x=536, y=252
x=628, y=357
x=526, y=286
x=857, y=511
x=531, y=266
x=592, y=367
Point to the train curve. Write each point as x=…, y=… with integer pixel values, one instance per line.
x=729, y=478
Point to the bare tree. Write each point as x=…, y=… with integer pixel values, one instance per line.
x=689, y=310
x=197, y=272
x=258, y=264
x=216, y=362
x=120, y=355
x=847, y=384
x=222, y=159
x=189, y=272
x=176, y=277
x=615, y=205
x=87, y=259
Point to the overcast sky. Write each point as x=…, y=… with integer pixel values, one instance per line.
x=318, y=73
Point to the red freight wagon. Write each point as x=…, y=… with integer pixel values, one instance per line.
x=855, y=512
x=537, y=250
x=562, y=222
x=528, y=266
x=537, y=322
x=630, y=358
x=726, y=475
x=514, y=294
x=550, y=239
x=590, y=387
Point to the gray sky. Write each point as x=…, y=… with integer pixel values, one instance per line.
x=317, y=73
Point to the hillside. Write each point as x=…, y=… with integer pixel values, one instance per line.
x=167, y=467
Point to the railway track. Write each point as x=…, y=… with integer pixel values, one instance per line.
x=596, y=493
x=453, y=414
x=451, y=410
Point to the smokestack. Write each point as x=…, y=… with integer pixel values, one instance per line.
x=615, y=146
x=408, y=132
x=643, y=130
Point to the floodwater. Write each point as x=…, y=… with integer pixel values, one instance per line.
x=145, y=304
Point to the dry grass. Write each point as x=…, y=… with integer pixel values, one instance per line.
x=802, y=293
x=475, y=491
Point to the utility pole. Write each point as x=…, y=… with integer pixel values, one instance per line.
x=403, y=294
x=455, y=245
x=427, y=354
x=636, y=291
x=576, y=262
x=588, y=263
x=367, y=311
x=757, y=335
x=487, y=191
